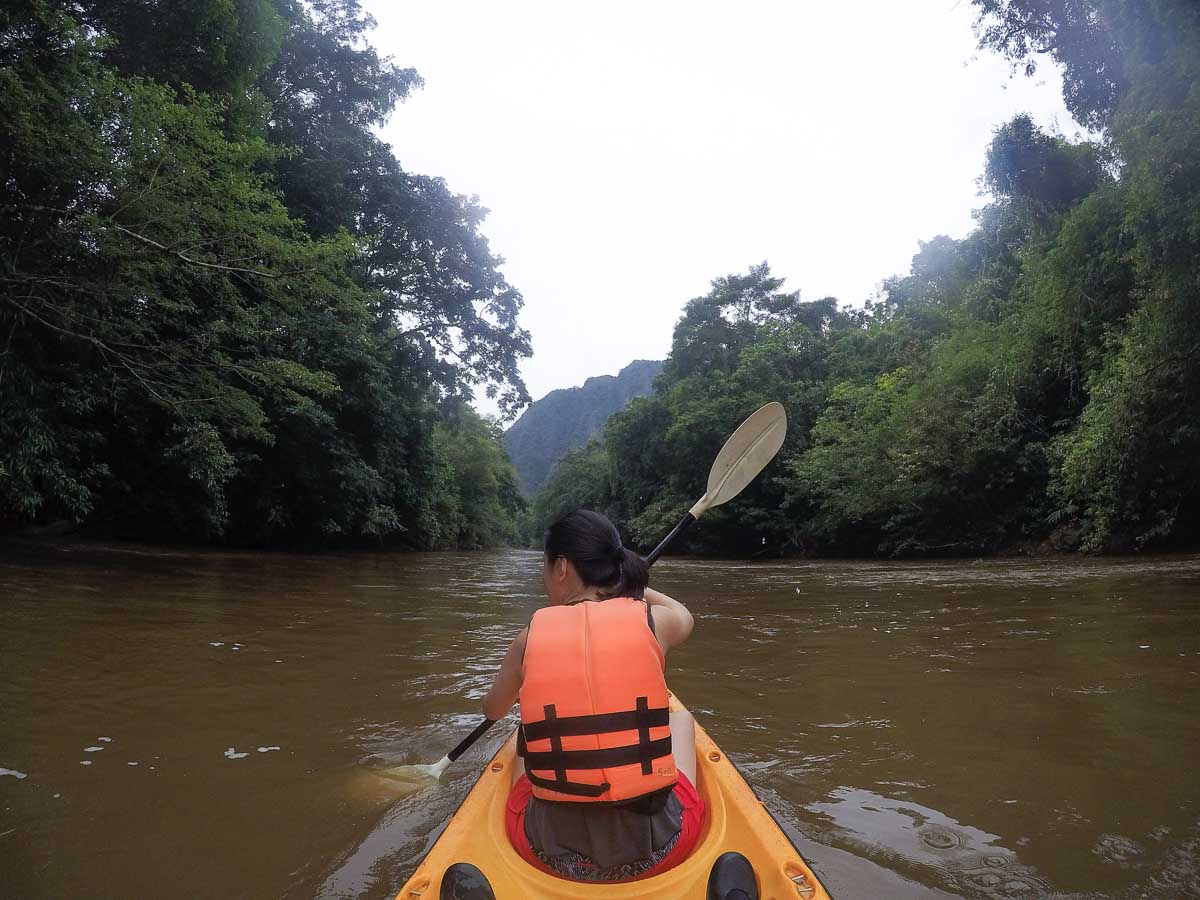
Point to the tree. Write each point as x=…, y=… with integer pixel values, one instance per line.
x=486, y=499
x=204, y=338
x=1124, y=273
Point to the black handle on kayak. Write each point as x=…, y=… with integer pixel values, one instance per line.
x=684, y=524
x=465, y=744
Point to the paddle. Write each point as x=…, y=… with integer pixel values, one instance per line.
x=744, y=455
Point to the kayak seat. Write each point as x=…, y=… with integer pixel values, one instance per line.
x=463, y=881
x=732, y=878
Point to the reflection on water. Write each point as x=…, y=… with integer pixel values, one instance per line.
x=214, y=724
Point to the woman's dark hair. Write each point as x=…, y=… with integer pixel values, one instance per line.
x=593, y=545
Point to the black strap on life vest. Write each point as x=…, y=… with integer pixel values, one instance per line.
x=561, y=760
x=558, y=760
x=570, y=788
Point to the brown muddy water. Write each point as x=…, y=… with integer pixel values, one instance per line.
x=207, y=725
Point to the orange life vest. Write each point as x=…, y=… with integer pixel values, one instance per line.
x=594, y=719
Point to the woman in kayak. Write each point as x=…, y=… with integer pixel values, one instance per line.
x=606, y=790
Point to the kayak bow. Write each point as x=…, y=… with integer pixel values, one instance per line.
x=735, y=820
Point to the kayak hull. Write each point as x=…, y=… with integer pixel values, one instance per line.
x=735, y=820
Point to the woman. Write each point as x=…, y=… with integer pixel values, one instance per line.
x=606, y=790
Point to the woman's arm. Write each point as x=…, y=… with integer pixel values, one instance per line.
x=672, y=621
x=507, y=686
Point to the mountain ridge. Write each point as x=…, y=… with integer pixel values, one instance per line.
x=567, y=417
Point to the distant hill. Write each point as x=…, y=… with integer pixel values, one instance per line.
x=565, y=419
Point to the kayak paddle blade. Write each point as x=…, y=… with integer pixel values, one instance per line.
x=744, y=455
x=417, y=775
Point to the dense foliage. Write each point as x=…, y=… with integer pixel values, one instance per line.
x=226, y=311
x=566, y=419
x=1038, y=380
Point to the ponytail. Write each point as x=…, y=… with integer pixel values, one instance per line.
x=635, y=575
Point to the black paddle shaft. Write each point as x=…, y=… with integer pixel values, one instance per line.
x=481, y=729
x=465, y=744
x=684, y=524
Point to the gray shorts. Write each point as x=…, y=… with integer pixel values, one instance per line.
x=578, y=867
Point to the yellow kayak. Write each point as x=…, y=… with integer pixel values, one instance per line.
x=735, y=821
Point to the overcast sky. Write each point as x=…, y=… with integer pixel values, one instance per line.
x=632, y=152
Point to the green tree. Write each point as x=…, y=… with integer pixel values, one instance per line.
x=226, y=311
x=583, y=479
x=486, y=500
x=1124, y=270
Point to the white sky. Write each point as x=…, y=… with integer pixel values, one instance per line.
x=632, y=152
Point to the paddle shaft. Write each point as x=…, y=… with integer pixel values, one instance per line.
x=465, y=744
x=684, y=524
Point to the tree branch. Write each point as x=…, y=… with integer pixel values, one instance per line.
x=150, y=185
x=1177, y=358
x=165, y=249
x=187, y=259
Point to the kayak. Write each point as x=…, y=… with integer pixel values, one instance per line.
x=735, y=820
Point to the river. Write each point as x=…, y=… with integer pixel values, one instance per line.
x=208, y=724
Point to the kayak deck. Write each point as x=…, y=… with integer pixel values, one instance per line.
x=735, y=820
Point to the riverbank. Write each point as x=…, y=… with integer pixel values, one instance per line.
x=85, y=541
